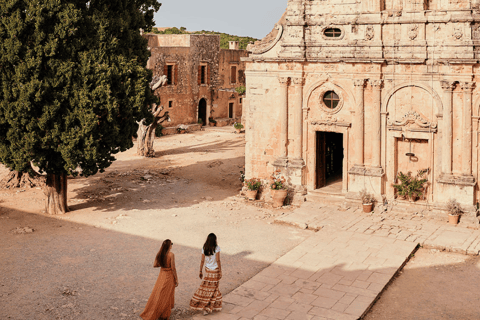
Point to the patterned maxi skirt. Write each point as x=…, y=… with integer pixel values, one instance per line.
x=208, y=296
x=162, y=299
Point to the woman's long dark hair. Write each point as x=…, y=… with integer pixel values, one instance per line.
x=161, y=258
x=210, y=245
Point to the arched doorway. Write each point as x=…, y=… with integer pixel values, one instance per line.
x=202, y=111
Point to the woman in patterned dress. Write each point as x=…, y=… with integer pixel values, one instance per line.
x=208, y=297
x=162, y=299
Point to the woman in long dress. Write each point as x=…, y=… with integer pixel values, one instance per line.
x=162, y=299
x=208, y=297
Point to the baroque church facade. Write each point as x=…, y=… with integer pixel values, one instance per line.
x=345, y=94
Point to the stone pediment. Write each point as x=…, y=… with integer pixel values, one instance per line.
x=412, y=121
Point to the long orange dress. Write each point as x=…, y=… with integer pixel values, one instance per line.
x=162, y=299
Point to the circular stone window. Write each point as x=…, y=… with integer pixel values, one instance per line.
x=331, y=100
x=332, y=33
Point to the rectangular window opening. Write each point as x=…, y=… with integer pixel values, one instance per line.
x=203, y=75
x=170, y=104
x=233, y=74
x=170, y=74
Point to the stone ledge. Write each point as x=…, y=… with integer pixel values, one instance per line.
x=457, y=180
x=364, y=171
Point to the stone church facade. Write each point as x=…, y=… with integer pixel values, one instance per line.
x=356, y=91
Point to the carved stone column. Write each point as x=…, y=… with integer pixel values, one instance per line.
x=283, y=106
x=359, y=122
x=376, y=123
x=467, y=88
x=447, y=134
x=298, y=118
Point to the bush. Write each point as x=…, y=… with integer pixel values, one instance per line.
x=158, y=131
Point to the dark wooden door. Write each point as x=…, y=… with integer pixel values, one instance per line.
x=320, y=166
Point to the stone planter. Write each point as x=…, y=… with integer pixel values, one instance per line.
x=367, y=207
x=251, y=194
x=278, y=197
x=453, y=218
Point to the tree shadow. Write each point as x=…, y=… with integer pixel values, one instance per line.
x=67, y=270
x=158, y=189
x=219, y=146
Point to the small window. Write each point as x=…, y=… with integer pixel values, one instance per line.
x=240, y=100
x=170, y=104
x=203, y=74
x=233, y=74
x=169, y=74
x=331, y=99
x=332, y=32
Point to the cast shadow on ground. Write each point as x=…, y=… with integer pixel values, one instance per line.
x=163, y=192
x=66, y=270
x=219, y=146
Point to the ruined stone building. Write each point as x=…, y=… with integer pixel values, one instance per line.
x=201, y=77
x=354, y=92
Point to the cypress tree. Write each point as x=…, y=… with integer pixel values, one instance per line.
x=73, y=84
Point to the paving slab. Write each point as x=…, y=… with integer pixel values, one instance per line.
x=312, y=281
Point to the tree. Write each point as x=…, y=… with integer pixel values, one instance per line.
x=146, y=132
x=73, y=84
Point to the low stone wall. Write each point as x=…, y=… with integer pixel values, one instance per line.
x=222, y=122
x=173, y=130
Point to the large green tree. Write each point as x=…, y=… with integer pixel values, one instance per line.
x=73, y=84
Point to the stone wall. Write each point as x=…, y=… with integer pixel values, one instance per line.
x=405, y=77
x=187, y=53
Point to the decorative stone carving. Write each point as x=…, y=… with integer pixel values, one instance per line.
x=457, y=33
x=359, y=82
x=376, y=83
x=447, y=85
x=467, y=86
x=283, y=80
x=413, y=32
x=298, y=81
x=369, y=33
x=412, y=118
x=269, y=42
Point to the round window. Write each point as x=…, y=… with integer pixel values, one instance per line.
x=331, y=99
x=332, y=32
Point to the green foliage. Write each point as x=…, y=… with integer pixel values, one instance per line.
x=224, y=37
x=211, y=120
x=409, y=185
x=73, y=82
x=241, y=90
x=253, y=184
x=238, y=125
x=158, y=130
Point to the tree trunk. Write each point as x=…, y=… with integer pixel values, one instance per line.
x=16, y=179
x=146, y=134
x=56, y=192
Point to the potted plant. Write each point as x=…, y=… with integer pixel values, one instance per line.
x=238, y=126
x=278, y=190
x=367, y=201
x=253, y=185
x=454, y=211
x=200, y=121
x=410, y=186
x=212, y=122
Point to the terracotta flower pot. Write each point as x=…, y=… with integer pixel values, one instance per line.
x=400, y=197
x=453, y=218
x=278, y=197
x=211, y=124
x=238, y=130
x=367, y=207
x=251, y=194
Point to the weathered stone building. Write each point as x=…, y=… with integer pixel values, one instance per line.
x=201, y=77
x=357, y=91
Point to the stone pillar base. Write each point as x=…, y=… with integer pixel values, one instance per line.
x=460, y=188
x=362, y=178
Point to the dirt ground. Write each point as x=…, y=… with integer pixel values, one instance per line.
x=433, y=285
x=96, y=261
